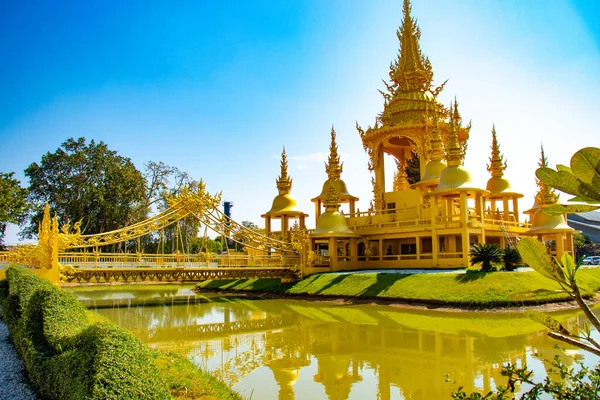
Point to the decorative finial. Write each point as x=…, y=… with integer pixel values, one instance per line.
x=437, y=144
x=454, y=154
x=400, y=177
x=456, y=116
x=284, y=182
x=543, y=163
x=497, y=164
x=545, y=195
x=333, y=166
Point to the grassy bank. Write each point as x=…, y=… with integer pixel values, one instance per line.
x=494, y=289
x=72, y=353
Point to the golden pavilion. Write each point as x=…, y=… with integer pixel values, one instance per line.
x=427, y=222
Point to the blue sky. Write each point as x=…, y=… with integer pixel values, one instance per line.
x=218, y=88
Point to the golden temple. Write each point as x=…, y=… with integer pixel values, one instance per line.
x=432, y=221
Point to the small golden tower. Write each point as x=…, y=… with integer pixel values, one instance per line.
x=499, y=187
x=454, y=176
x=334, y=168
x=549, y=228
x=331, y=227
x=436, y=164
x=284, y=205
x=455, y=221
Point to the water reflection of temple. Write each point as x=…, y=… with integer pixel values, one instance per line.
x=403, y=352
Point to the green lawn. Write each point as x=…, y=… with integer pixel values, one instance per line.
x=474, y=289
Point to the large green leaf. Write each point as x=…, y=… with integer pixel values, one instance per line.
x=559, y=209
x=560, y=167
x=561, y=180
x=535, y=254
x=548, y=321
x=568, y=266
x=591, y=193
x=586, y=165
x=568, y=183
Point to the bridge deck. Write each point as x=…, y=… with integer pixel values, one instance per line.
x=133, y=275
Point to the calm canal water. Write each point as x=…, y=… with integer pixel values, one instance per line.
x=282, y=349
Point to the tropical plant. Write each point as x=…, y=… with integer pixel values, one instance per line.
x=486, y=254
x=512, y=259
x=581, y=179
x=563, y=272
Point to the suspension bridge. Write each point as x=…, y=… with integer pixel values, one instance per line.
x=64, y=254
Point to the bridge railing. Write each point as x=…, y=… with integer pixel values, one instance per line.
x=11, y=257
x=176, y=260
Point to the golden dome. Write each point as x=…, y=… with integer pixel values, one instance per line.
x=433, y=170
x=497, y=184
x=340, y=189
x=332, y=223
x=455, y=177
x=284, y=204
x=545, y=223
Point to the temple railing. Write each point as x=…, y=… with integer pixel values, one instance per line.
x=12, y=257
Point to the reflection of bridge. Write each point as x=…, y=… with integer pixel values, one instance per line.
x=213, y=331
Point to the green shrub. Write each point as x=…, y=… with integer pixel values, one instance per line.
x=512, y=258
x=70, y=356
x=486, y=254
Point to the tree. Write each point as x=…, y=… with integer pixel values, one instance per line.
x=413, y=169
x=486, y=254
x=584, y=246
x=86, y=182
x=13, y=204
x=178, y=236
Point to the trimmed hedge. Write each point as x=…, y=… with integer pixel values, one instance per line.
x=68, y=356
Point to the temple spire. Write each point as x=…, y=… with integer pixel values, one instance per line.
x=456, y=115
x=454, y=154
x=497, y=164
x=284, y=182
x=400, y=177
x=333, y=165
x=437, y=144
x=412, y=70
x=546, y=194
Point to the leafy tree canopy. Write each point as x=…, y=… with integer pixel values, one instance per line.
x=86, y=182
x=13, y=204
